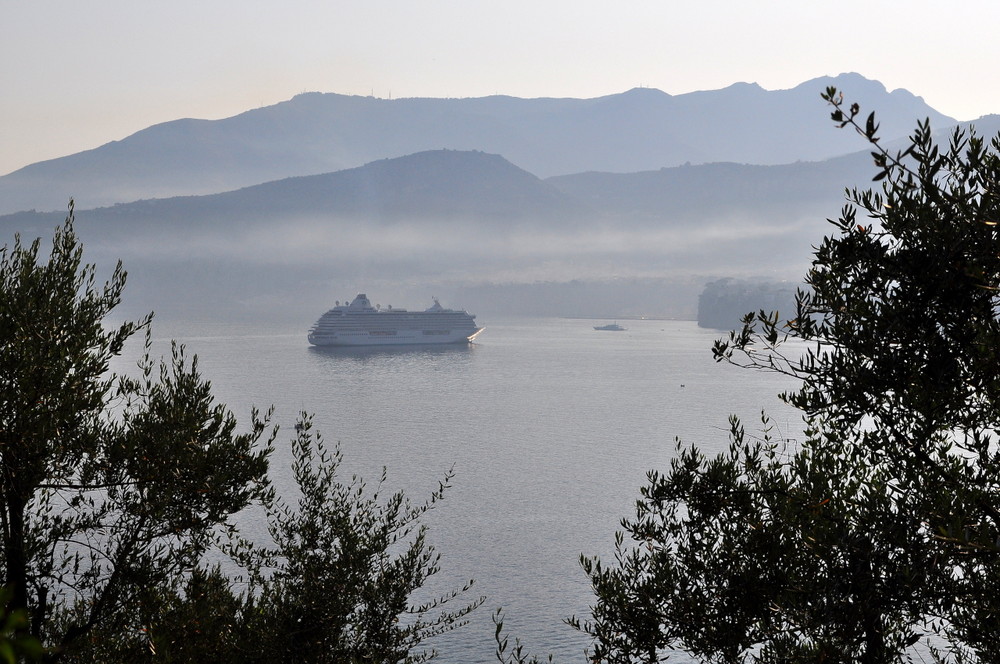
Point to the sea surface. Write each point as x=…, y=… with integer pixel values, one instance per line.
x=549, y=425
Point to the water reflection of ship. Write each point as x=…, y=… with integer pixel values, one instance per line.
x=368, y=352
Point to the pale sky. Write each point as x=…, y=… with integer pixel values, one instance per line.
x=75, y=75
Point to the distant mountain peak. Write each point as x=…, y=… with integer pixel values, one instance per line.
x=846, y=82
x=742, y=85
x=645, y=92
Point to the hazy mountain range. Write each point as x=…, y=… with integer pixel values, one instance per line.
x=313, y=133
x=282, y=204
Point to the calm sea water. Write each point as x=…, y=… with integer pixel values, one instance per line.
x=549, y=425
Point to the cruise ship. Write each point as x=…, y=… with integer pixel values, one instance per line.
x=361, y=324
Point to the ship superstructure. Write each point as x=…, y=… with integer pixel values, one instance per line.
x=361, y=324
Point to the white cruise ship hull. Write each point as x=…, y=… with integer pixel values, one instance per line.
x=361, y=324
x=398, y=338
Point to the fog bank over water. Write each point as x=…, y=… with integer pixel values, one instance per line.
x=493, y=231
x=509, y=275
x=461, y=225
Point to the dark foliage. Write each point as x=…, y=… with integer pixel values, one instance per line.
x=881, y=527
x=338, y=582
x=109, y=485
x=113, y=488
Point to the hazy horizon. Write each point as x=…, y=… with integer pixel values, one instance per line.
x=76, y=76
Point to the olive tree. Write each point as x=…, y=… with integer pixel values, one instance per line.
x=338, y=581
x=880, y=527
x=110, y=486
x=114, y=487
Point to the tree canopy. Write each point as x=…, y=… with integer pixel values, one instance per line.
x=877, y=531
x=109, y=484
x=114, y=487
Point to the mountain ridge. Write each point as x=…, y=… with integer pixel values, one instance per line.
x=312, y=133
x=476, y=213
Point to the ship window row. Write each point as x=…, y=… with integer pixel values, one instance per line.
x=386, y=333
x=394, y=327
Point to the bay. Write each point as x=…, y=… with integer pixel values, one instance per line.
x=549, y=425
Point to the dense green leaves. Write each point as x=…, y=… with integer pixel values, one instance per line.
x=15, y=644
